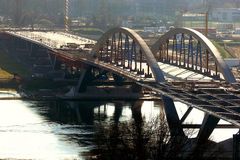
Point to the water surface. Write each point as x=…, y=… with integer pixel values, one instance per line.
x=66, y=130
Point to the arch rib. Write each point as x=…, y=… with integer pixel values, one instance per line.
x=157, y=72
x=224, y=69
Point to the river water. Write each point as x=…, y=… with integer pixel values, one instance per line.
x=65, y=130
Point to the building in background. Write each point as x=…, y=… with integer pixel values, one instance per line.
x=226, y=14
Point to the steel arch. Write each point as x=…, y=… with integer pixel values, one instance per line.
x=223, y=68
x=157, y=72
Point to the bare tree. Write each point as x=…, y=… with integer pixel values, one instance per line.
x=139, y=140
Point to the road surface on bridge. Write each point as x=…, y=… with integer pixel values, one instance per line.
x=55, y=40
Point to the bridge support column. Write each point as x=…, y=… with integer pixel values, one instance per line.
x=236, y=144
x=84, y=79
x=172, y=117
x=209, y=124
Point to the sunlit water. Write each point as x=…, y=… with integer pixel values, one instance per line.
x=54, y=130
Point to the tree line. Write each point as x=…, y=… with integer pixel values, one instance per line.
x=100, y=12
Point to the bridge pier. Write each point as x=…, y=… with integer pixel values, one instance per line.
x=208, y=125
x=236, y=145
x=173, y=120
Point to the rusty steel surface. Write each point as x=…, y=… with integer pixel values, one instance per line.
x=224, y=69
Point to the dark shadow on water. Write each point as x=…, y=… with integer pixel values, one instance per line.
x=67, y=112
x=76, y=121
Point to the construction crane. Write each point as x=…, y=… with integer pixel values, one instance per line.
x=66, y=19
x=205, y=16
x=206, y=23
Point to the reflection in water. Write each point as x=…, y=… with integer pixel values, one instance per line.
x=25, y=134
x=52, y=130
x=65, y=130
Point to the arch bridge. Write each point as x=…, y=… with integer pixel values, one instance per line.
x=121, y=54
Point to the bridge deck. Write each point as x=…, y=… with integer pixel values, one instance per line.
x=176, y=73
x=54, y=40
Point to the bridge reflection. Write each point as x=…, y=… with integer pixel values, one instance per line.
x=78, y=120
x=89, y=113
